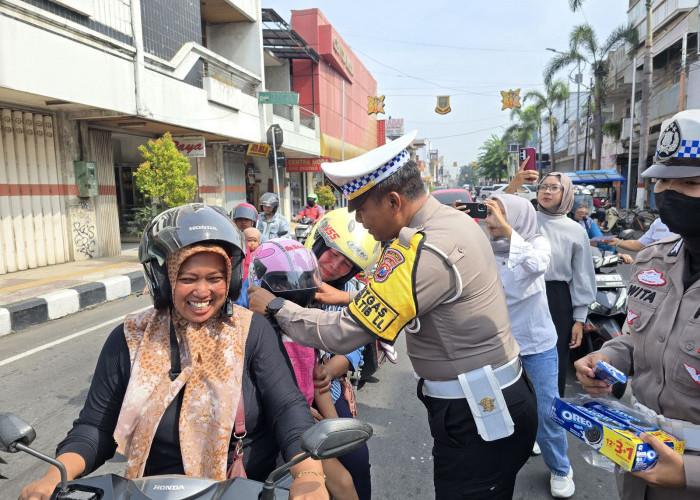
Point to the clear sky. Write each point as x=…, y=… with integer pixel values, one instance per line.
x=417, y=50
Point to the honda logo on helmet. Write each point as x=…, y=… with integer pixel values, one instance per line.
x=199, y=228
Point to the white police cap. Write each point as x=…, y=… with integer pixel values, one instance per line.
x=678, y=147
x=357, y=176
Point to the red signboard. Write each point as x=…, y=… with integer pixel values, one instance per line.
x=305, y=164
x=381, y=133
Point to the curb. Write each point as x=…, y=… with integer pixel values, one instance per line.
x=60, y=303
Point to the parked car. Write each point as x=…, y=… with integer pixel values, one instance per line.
x=486, y=191
x=449, y=196
x=527, y=191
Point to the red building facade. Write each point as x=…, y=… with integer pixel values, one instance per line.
x=346, y=131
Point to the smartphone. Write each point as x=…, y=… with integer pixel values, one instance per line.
x=476, y=210
x=527, y=155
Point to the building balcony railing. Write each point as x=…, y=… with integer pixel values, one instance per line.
x=662, y=11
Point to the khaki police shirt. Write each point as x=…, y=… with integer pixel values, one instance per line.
x=660, y=346
x=471, y=332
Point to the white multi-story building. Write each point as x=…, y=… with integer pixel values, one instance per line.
x=91, y=80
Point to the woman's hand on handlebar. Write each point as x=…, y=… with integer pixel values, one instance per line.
x=41, y=489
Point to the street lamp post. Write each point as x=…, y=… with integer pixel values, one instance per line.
x=578, y=105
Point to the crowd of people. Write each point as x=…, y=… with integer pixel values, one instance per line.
x=249, y=327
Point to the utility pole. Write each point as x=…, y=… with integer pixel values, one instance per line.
x=644, y=110
x=588, y=123
x=629, y=156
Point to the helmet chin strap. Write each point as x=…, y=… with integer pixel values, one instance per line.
x=227, y=307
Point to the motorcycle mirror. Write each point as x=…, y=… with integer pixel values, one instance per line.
x=334, y=437
x=16, y=435
x=14, y=430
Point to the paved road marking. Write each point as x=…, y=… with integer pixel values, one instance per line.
x=66, y=339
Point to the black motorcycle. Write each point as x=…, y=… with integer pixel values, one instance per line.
x=303, y=229
x=327, y=439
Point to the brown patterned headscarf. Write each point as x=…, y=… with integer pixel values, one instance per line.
x=211, y=358
x=567, y=195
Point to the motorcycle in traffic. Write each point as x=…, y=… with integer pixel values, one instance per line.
x=329, y=438
x=303, y=229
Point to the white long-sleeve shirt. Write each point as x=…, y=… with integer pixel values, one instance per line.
x=571, y=260
x=522, y=274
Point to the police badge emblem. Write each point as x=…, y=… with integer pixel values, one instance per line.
x=488, y=404
x=669, y=141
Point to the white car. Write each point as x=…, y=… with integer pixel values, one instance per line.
x=527, y=191
x=487, y=191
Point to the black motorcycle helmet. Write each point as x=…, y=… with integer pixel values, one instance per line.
x=182, y=226
x=270, y=200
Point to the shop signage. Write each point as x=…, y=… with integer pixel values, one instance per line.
x=394, y=127
x=258, y=149
x=191, y=146
x=338, y=49
x=305, y=164
x=291, y=98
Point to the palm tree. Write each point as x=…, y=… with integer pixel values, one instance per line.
x=493, y=158
x=555, y=94
x=585, y=48
x=529, y=120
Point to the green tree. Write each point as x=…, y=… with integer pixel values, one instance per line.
x=163, y=176
x=325, y=196
x=555, y=94
x=493, y=159
x=584, y=48
x=527, y=121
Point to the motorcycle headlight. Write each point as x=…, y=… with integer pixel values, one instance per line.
x=620, y=306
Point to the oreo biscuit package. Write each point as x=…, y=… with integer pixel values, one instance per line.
x=609, y=433
x=608, y=373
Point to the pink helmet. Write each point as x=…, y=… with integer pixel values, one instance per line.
x=245, y=211
x=286, y=268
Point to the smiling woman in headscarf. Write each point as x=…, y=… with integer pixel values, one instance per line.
x=570, y=279
x=168, y=384
x=522, y=256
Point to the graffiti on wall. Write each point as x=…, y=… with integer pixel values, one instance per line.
x=82, y=216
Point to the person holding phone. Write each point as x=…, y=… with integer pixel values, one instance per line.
x=522, y=256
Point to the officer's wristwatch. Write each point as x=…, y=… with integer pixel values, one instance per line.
x=273, y=307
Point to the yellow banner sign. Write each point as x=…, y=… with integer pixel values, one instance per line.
x=258, y=149
x=375, y=104
x=511, y=99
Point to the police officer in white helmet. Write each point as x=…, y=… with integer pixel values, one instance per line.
x=660, y=346
x=438, y=283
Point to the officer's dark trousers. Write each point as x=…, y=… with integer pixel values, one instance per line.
x=464, y=465
x=559, y=300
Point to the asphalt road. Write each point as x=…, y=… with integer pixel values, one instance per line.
x=46, y=371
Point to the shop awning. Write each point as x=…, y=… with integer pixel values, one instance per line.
x=594, y=176
x=280, y=39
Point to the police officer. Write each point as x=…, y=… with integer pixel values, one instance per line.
x=437, y=281
x=661, y=347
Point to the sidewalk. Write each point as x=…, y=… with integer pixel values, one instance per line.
x=37, y=295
